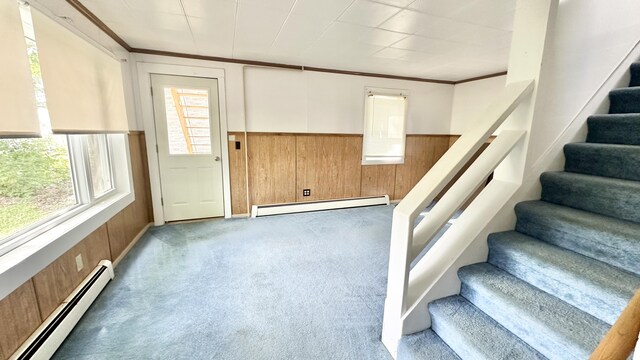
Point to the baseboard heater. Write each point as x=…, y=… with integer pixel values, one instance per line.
x=44, y=342
x=278, y=209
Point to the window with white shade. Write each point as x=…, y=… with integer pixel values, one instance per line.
x=52, y=178
x=384, y=127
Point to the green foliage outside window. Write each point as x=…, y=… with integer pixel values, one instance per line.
x=35, y=180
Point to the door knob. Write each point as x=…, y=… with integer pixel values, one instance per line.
x=217, y=158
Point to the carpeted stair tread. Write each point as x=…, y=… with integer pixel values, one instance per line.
x=551, y=326
x=601, y=195
x=474, y=335
x=614, y=241
x=590, y=285
x=625, y=100
x=616, y=161
x=424, y=345
x=635, y=74
x=614, y=129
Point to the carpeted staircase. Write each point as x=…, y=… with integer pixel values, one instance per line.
x=553, y=287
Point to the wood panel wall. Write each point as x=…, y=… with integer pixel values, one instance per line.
x=421, y=153
x=280, y=166
x=272, y=168
x=329, y=166
x=238, y=172
x=22, y=311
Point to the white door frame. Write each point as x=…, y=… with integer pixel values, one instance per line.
x=145, y=70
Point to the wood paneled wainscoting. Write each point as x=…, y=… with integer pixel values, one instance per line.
x=22, y=311
x=268, y=168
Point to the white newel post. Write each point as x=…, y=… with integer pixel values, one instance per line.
x=397, y=280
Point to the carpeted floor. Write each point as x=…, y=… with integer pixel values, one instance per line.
x=304, y=286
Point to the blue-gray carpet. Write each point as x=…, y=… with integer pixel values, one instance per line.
x=304, y=286
x=552, y=287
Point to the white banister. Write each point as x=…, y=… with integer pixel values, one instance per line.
x=409, y=289
x=463, y=149
x=462, y=190
x=403, y=249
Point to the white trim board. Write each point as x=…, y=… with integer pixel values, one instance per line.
x=279, y=209
x=144, y=70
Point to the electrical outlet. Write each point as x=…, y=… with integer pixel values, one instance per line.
x=306, y=192
x=79, y=262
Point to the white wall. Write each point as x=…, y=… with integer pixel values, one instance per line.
x=281, y=100
x=589, y=40
x=470, y=99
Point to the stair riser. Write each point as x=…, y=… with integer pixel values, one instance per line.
x=615, y=246
x=528, y=329
x=619, y=162
x=620, y=199
x=635, y=75
x=585, y=296
x=625, y=102
x=423, y=345
x=614, y=130
x=473, y=335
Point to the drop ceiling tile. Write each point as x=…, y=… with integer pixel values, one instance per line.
x=107, y=10
x=440, y=8
x=154, y=6
x=339, y=51
x=146, y=22
x=214, y=37
x=494, y=13
x=368, y=13
x=476, y=34
x=425, y=58
x=391, y=53
x=428, y=45
x=157, y=38
x=298, y=33
x=325, y=9
x=381, y=37
x=277, y=5
x=339, y=32
x=397, y=3
x=257, y=27
x=440, y=28
x=407, y=21
x=210, y=9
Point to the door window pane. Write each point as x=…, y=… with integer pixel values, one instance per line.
x=98, y=156
x=187, y=112
x=35, y=181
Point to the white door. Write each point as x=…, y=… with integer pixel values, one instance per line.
x=187, y=121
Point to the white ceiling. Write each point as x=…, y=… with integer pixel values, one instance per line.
x=437, y=39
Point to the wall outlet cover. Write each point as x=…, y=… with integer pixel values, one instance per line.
x=79, y=262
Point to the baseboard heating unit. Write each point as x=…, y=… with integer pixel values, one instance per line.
x=44, y=342
x=279, y=209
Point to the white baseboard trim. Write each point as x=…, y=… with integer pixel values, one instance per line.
x=291, y=208
x=44, y=342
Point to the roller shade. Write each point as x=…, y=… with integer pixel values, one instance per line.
x=18, y=115
x=83, y=84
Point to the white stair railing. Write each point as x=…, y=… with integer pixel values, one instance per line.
x=409, y=289
x=407, y=240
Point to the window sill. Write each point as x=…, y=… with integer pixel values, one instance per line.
x=25, y=261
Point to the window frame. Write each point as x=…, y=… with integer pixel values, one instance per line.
x=83, y=190
x=382, y=160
